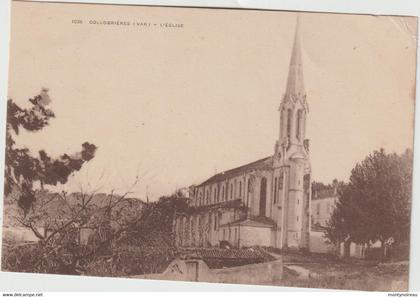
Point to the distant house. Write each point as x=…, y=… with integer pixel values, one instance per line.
x=103, y=218
x=323, y=203
x=322, y=206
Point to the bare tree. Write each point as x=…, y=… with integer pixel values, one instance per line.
x=75, y=228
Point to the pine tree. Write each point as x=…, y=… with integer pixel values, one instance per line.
x=22, y=169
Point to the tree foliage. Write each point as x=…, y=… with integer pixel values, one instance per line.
x=376, y=203
x=22, y=169
x=125, y=235
x=154, y=230
x=146, y=245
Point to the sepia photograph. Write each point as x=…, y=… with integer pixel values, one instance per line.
x=212, y=145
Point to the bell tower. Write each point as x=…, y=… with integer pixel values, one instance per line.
x=291, y=163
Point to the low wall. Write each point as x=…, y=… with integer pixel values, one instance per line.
x=318, y=244
x=256, y=274
x=20, y=234
x=197, y=270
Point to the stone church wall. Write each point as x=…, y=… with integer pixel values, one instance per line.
x=251, y=236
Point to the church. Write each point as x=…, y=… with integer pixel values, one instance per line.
x=263, y=203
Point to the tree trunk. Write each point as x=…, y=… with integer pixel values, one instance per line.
x=347, y=248
x=383, y=250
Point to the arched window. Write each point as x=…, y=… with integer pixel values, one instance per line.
x=248, y=191
x=275, y=190
x=200, y=234
x=223, y=192
x=192, y=233
x=263, y=196
x=306, y=188
x=216, y=221
x=298, y=124
x=281, y=178
x=214, y=194
x=282, y=123
x=181, y=231
x=289, y=122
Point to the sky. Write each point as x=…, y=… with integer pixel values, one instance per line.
x=174, y=105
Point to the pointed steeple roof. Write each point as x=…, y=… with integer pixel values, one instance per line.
x=295, y=86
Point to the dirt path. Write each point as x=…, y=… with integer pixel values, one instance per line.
x=349, y=276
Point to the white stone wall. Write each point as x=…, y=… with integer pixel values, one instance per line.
x=250, y=236
x=322, y=209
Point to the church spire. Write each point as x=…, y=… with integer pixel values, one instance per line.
x=295, y=87
x=294, y=108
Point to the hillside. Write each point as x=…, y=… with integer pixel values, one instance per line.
x=56, y=206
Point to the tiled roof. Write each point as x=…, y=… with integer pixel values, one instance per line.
x=262, y=163
x=261, y=221
x=219, y=253
x=236, y=203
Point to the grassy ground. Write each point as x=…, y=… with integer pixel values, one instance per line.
x=329, y=273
